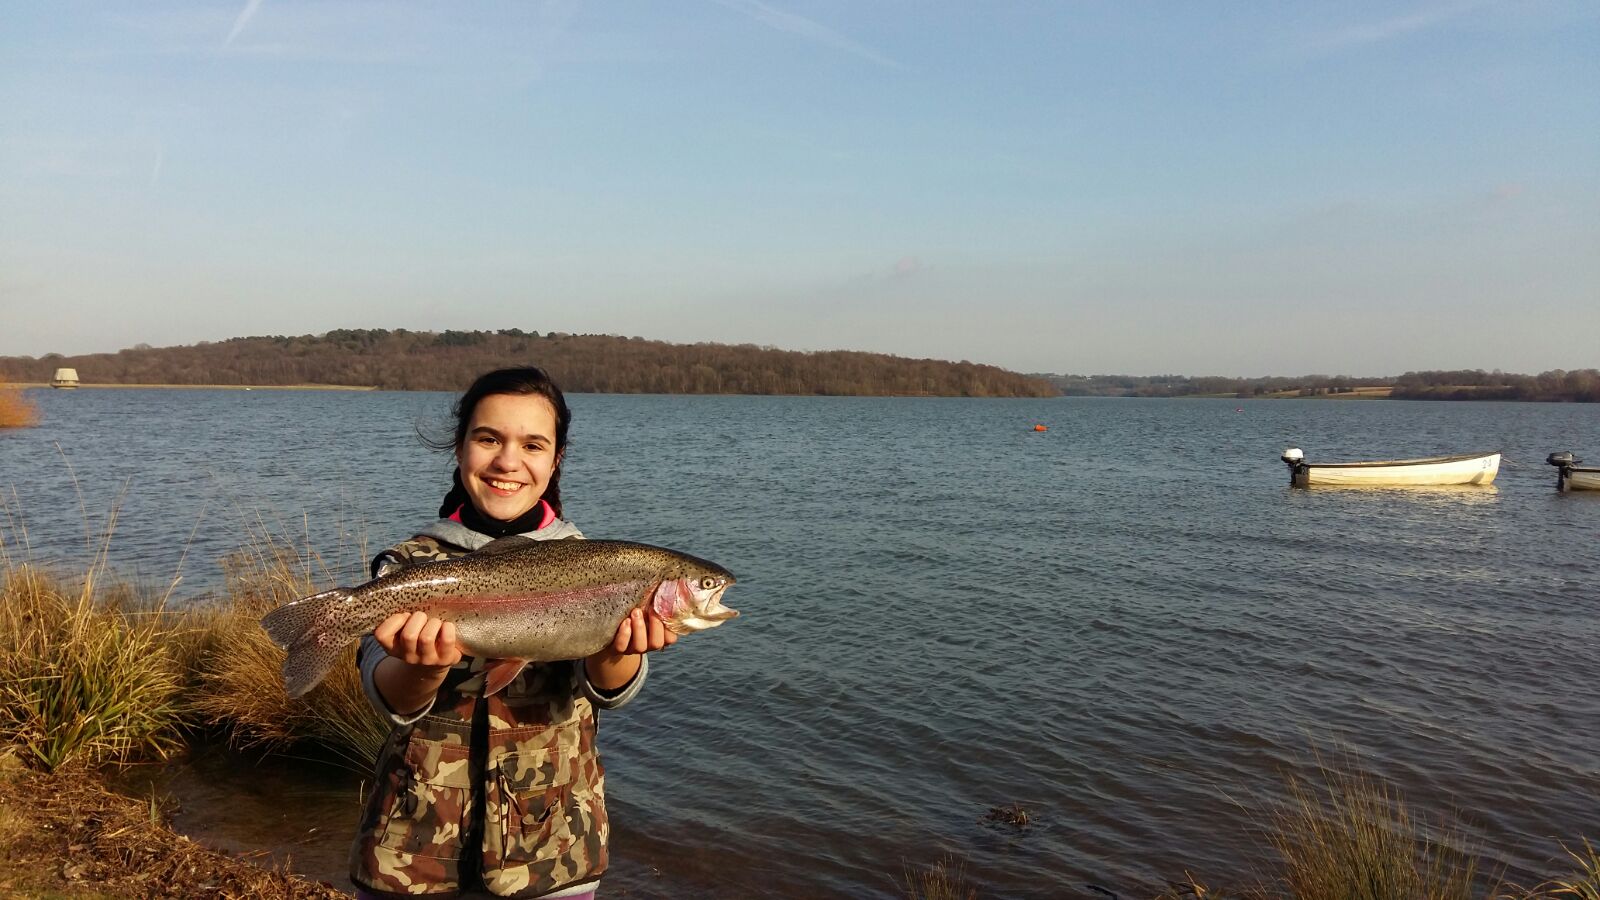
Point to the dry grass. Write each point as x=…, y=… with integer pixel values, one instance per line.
x=1354, y=839
x=99, y=673
x=82, y=681
x=15, y=410
x=945, y=879
x=1582, y=884
x=239, y=671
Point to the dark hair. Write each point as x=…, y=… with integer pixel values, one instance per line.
x=524, y=381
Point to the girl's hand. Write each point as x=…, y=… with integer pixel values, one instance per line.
x=641, y=632
x=613, y=667
x=420, y=640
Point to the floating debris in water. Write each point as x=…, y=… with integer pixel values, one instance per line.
x=1013, y=815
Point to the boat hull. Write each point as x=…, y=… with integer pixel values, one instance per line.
x=1479, y=469
x=1581, y=480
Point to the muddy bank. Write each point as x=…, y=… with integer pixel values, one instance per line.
x=68, y=834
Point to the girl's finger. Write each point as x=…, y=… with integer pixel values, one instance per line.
x=410, y=631
x=388, y=628
x=641, y=632
x=447, y=640
x=428, y=641
x=658, y=630
x=624, y=636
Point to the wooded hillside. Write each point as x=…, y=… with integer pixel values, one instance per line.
x=1578, y=385
x=588, y=363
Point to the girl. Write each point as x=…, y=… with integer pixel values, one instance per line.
x=503, y=795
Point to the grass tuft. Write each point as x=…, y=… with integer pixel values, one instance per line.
x=1582, y=884
x=239, y=671
x=944, y=879
x=15, y=410
x=1354, y=839
x=81, y=681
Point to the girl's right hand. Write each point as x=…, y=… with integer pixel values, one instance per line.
x=419, y=640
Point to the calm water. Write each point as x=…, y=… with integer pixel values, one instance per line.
x=1128, y=624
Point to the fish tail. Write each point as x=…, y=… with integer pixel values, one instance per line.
x=310, y=661
x=289, y=623
x=309, y=629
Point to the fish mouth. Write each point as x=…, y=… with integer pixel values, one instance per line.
x=709, y=614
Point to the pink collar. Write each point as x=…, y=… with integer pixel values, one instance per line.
x=545, y=518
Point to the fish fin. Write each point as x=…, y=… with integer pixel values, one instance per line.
x=504, y=545
x=310, y=660
x=311, y=630
x=290, y=622
x=499, y=673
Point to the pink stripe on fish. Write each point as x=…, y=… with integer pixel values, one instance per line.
x=537, y=601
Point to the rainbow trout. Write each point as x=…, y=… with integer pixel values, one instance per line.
x=516, y=600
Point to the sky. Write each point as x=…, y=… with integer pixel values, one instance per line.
x=1201, y=188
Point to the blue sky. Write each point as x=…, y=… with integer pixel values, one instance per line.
x=1232, y=188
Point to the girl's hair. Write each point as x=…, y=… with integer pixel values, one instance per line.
x=524, y=381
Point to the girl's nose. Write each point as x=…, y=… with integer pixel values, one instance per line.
x=506, y=459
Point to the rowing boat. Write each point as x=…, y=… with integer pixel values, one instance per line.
x=1469, y=468
x=1573, y=477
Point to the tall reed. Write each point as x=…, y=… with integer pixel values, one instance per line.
x=1354, y=839
x=943, y=879
x=15, y=409
x=1583, y=883
x=82, y=681
x=239, y=671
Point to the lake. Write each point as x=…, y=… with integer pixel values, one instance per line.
x=1128, y=625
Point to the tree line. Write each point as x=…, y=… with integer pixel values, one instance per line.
x=1578, y=385
x=399, y=359
x=1557, y=385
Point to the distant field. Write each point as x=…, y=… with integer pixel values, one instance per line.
x=1371, y=392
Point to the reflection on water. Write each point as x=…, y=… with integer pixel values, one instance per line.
x=1443, y=493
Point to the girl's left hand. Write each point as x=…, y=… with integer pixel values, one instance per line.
x=641, y=632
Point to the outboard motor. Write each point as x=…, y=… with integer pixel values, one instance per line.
x=1299, y=472
x=1563, y=461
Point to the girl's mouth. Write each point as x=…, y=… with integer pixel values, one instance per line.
x=504, y=487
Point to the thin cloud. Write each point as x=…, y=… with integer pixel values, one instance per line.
x=245, y=15
x=800, y=26
x=1400, y=26
x=906, y=266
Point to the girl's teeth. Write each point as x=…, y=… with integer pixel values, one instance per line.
x=505, y=485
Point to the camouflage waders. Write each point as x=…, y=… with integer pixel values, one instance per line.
x=503, y=793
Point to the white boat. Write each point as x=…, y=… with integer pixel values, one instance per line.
x=1469, y=468
x=1573, y=477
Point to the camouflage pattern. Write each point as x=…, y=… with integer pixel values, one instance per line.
x=537, y=777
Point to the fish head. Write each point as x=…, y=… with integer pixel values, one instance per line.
x=693, y=601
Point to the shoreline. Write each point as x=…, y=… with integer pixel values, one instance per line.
x=209, y=387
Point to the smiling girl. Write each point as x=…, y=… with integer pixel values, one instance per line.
x=501, y=795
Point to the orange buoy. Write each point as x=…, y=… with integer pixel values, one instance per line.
x=1040, y=428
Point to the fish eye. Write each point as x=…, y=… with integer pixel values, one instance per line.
x=708, y=582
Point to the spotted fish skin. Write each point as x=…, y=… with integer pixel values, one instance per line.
x=516, y=599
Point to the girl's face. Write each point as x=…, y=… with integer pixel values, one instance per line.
x=508, y=454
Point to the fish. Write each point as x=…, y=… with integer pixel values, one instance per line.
x=513, y=601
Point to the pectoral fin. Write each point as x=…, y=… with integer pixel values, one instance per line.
x=499, y=673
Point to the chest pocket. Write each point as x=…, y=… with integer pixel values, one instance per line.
x=430, y=800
